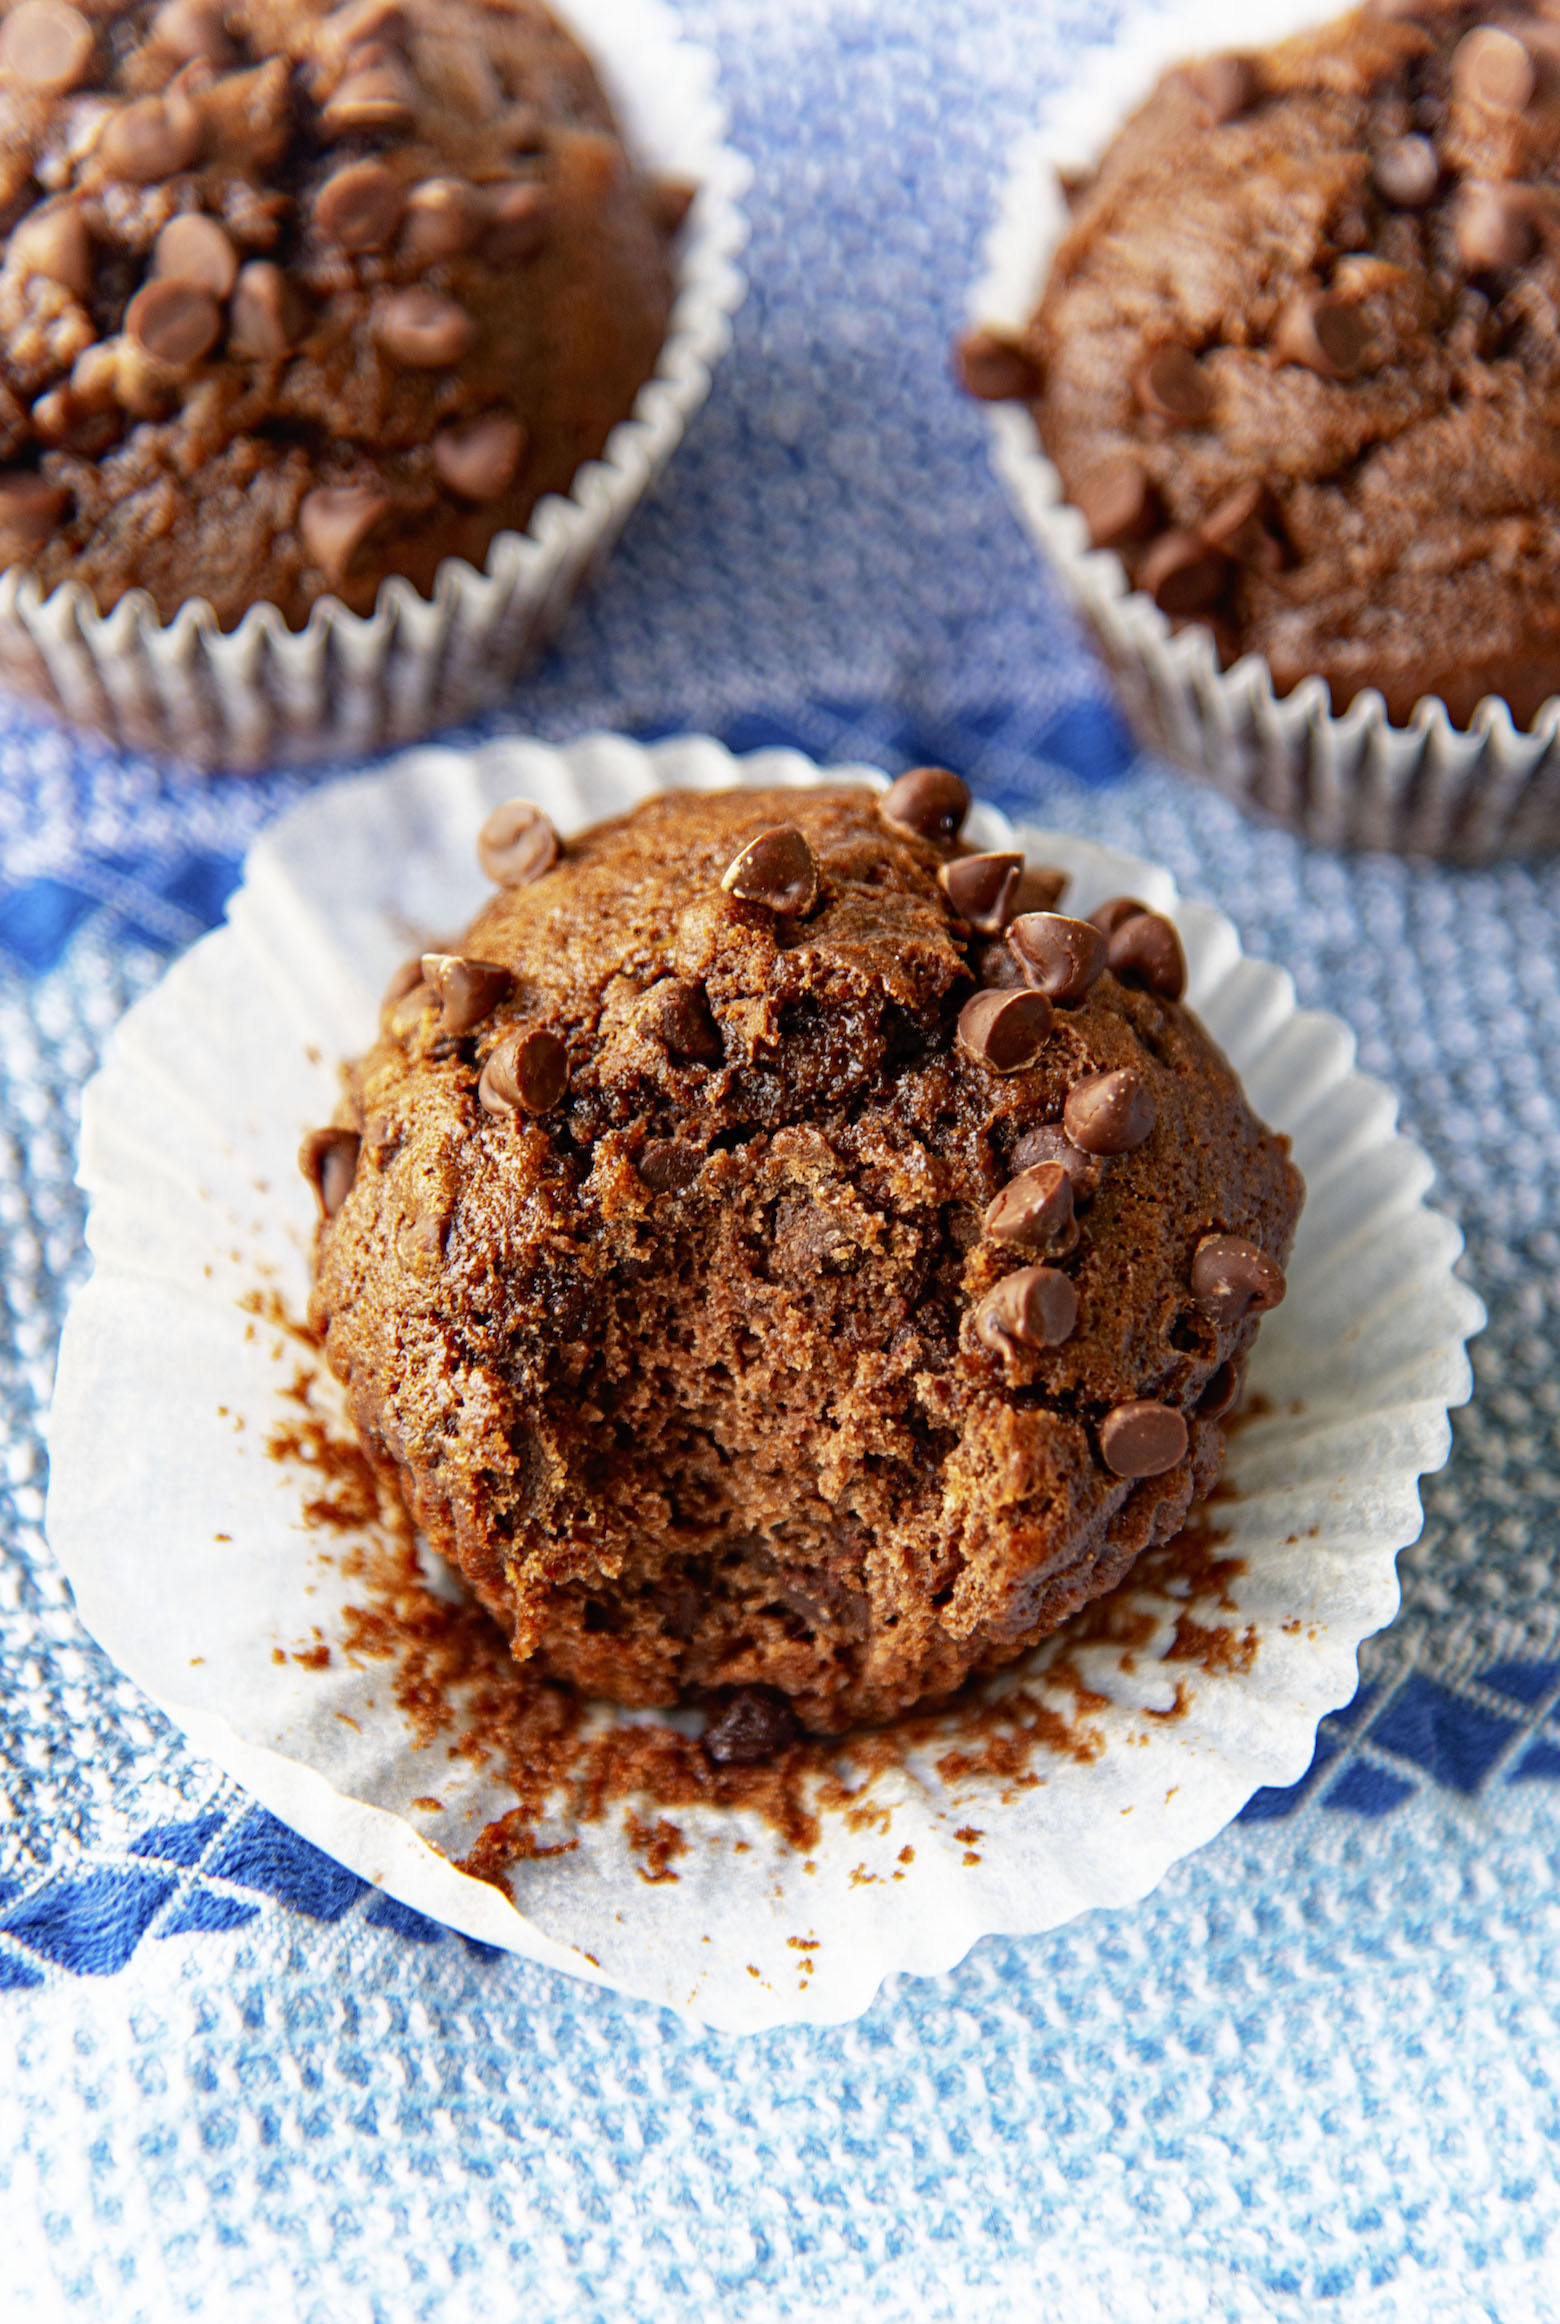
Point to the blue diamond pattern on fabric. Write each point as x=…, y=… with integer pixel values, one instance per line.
x=387, y=1913
x=180, y=1843
x=1455, y=1741
x=262, y=1853
x=38, y=921
x=92, y=1924
x=16, y=1975
x=1540, y=1763
x=208, y=1911
x=1366, y=1790
x=1525, y=1682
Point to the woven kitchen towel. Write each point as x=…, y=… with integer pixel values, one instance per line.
x=1315, y=2074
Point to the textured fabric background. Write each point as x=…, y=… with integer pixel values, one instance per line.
x=1316, y=2074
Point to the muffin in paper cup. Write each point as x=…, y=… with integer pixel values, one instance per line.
x=1425, y=787
x=273, y=688
x=201, y=1473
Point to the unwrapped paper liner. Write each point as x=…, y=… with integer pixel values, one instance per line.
x=192, y=1562
x=1428, y=788
x=347, y=684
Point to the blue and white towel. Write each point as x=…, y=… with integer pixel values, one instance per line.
x=1316, y=2074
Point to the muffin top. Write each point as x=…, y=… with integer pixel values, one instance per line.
x=1298, y=359
x=293, y=299
x=779, y=1250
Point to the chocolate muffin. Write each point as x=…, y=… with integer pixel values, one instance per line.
x=296, y=299
x=1298, y=359
x=780, y=1251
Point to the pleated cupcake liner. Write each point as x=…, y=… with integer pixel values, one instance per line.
x=1356, y=780
x=193, y=1563
x=262, y=694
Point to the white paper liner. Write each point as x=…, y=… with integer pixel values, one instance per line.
x=1428, y=788
x=191, y=1561
x=347, y=684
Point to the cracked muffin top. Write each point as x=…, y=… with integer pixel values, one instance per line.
x=293, y=299
x=782, y=1258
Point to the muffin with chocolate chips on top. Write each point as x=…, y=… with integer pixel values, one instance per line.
x=294, y=299
x=785, y=1260
x=1298, y=356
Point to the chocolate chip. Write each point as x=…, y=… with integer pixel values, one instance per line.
x=1050, y=1143
x=1220, y=1393
x=1407, y=173
x=995, y=368
x=194, y=249
x=1170, y=385
x=360, y=207
x=444, y=216
x=1107, y=917
x=1060, y=957
x=152, y=138
x=1034, y=1210
x=422, y=328
x=329, y=1160
x=55, y=243
x=1143, y=1439
x=335, y=521
x=1223, y=87
x=1492, y=68
x=478, y=458
x=516, y=844
x=1246, y=525
x=46, y=46
x=777, y=869
x=1494, y=226
x=193, y=31
x=756, y=1725
x=1036, y=1308
x=263, y=320
x=1117, y=503
x=1005, y=1031
x=177, y=322
x=676, y=1013
x=981, y=889
x=1146, y=950
x=468, y=989
x=669, y=1165
x=377, y=100
x=1325, y=334
x=1182, y=574
x=368, y=20
x=517, y=219
x=1109, y=1113
x=1230, y=1277
x=527, y=1073
x=929, y=802
x=30, y=509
